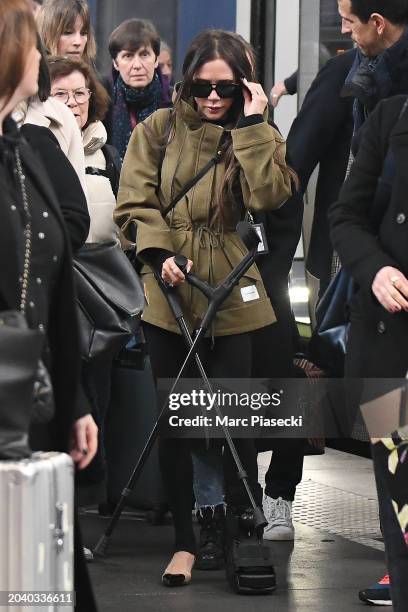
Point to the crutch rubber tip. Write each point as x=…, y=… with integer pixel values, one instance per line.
x=102, y=545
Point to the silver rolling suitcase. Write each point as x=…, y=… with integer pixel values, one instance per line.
x=36, y=533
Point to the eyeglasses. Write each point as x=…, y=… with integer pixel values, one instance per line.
x=224, y=89
x=81, y=95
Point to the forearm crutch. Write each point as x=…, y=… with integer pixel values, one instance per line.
x=216, y=297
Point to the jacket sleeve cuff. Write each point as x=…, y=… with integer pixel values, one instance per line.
x=366, y=272
x=83, y=406
x=153, y=239
x=155, y=258
x=253, y=135
x=250, y=120
x=291, y=83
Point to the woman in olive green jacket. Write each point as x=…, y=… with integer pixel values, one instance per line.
x=218, y=107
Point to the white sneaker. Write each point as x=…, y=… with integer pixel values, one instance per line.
x=88, y=554
x=278, y=513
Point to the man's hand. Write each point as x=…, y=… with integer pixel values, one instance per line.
x=277, y=91
x=84, y=441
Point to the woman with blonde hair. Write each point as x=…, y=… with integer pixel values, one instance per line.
x=65, y=29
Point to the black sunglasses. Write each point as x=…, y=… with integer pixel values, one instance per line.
x=224, y=89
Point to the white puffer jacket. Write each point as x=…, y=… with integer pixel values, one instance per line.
x=101, y=199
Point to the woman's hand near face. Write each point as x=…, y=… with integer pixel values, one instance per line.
x=171, y=273
x=255, y=99
x=390, y=287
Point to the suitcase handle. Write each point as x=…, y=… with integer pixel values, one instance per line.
x=59, y=534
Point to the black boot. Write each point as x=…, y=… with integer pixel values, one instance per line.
x=210, y=554
x=249, y=566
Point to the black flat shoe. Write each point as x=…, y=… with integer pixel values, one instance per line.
x=175, y=580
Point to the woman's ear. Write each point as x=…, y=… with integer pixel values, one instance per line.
x=115, y=65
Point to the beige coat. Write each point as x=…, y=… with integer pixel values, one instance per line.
x=102, y=201
x=187, y=229
x=57, y=117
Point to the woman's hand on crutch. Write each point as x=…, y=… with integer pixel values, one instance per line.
x=171, y=273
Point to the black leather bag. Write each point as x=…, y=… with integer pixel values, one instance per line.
x=20, y=349
x=327, y=347
x=110, y=298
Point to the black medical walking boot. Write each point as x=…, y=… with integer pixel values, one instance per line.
x=210, y=554
x=249, y=567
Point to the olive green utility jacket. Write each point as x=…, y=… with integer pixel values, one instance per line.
x=188, y=229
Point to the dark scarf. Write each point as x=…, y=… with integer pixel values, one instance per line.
x=372, y=79
x=142, y=102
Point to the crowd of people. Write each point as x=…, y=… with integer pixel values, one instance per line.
x=87, y=158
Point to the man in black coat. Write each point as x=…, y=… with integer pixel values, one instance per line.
x=380, y=70
x=369, y=231
x=321, y=133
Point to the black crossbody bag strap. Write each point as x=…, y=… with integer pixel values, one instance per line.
x=213, y=161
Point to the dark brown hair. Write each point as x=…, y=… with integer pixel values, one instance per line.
x=240, y=57
x=56, y=16
x=99, y=101
x=396, y=11
x=17, y=37
x=132, y=34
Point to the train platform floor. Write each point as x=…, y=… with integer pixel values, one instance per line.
x=337, y=551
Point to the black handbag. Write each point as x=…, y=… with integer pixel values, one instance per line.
x=20, y=349
x=110, y=298
x=327, y=347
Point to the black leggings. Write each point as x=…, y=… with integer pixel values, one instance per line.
x=230, y=357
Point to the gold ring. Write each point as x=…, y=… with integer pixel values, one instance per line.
x=394, y=279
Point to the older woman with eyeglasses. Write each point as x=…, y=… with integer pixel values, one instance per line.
x=73, y=82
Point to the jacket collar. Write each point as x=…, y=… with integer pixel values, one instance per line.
x=46, y=113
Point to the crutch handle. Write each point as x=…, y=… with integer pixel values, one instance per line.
x=192, y=279
x=181, y=262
